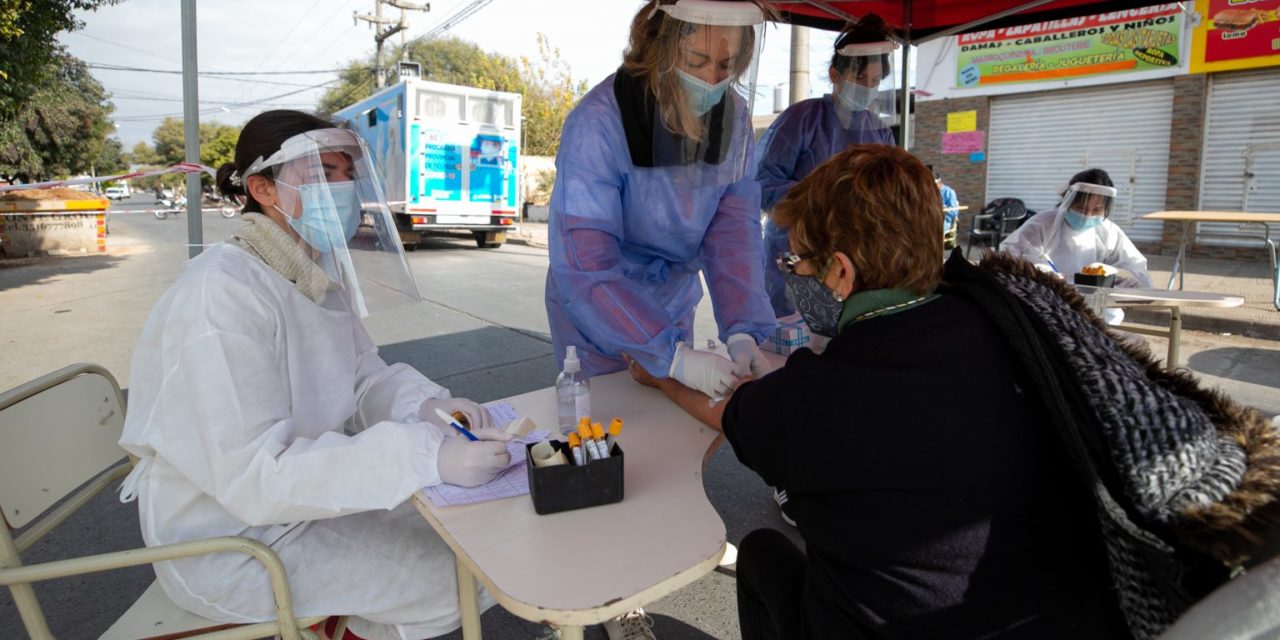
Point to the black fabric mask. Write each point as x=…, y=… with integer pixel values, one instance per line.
x=816, y=303
x=651, y=145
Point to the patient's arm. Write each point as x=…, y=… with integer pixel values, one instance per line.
x=695, y=403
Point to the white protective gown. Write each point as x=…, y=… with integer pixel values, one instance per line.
x=243, y=393
x=1048, y=234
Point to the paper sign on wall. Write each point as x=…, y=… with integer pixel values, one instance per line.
x=958, y=121
x=965, y=142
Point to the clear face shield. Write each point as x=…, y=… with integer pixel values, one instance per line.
x=866, y=86
x=708, y=84
x=332, y=198
x=1085, y=206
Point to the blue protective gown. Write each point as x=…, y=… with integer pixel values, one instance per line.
x=803, y=137
x=627, y=243
x=950, y=206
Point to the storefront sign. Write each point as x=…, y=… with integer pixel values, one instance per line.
x=1115, y=42
x=1235, y=34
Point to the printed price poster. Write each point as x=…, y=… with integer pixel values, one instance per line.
x=1116, y=42
x=1235, y=34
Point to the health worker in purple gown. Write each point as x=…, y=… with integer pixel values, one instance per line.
x=859, y=110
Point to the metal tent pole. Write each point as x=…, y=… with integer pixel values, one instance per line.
x=191, y=126
x=904, y=110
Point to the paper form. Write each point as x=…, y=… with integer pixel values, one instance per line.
x=513, y=481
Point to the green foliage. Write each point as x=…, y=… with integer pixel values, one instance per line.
x=142, y=154
x=548, y=89
x=28, y=45
x=110, y=159
x=62, y=127
x=217, y=142
x=550, y=95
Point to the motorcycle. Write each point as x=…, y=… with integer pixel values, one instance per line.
x=170, y=204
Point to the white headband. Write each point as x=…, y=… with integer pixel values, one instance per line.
x=712, y=12
x=1095, y=189
x=867, y=48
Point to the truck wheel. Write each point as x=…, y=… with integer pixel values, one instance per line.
x=490, y=239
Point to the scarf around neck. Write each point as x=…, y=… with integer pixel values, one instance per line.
x=263, y=238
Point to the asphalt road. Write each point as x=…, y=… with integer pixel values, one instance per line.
x=482, y=331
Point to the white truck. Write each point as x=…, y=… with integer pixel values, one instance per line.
x=449, y=156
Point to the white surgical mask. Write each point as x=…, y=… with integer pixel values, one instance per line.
x=702, y=95
x=856, y=97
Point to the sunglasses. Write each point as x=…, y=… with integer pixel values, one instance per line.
x=788, y=260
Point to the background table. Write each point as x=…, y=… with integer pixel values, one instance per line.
x=1187, y=218
x=583, y=567
x=1173, y=301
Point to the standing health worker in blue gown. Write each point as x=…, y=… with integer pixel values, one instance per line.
x=654, y=184
x=811, y=131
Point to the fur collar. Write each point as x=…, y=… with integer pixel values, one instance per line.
x=262, y=237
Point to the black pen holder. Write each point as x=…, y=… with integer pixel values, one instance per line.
x=1095, y=281
x=564, y=487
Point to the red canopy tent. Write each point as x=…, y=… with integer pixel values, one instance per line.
x=923, y=20
x=919, y=21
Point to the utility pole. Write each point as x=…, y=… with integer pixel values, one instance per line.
x=799, y=63
x=381, y=34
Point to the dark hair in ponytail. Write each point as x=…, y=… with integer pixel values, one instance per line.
x=260, y=137
x=870, y=29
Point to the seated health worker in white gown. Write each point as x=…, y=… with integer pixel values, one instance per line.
x=259, y=406
x=1079, y=232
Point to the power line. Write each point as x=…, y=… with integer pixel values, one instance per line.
x=228, y=107
x=117, y=67
x=121, y=45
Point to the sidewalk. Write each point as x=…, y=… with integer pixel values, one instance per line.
x=1257, y=318
x=530, y=234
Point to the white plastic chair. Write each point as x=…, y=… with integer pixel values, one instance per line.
x=59, y=432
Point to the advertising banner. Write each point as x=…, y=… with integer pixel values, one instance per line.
x=1115, y=42
x=1235, y=34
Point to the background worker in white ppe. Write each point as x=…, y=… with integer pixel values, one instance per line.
x=1078, y=233
x=259, y=406
x=654, y=185
x=859, y=110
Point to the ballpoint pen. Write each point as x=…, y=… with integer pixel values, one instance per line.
x=454, y=423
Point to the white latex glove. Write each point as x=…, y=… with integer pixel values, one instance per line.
x=703, y=371
x=469, y=464
x=477, y=416
x=746, y=355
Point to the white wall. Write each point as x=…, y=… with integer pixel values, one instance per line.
x=936, y=72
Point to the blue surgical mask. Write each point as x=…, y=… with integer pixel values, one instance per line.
x=329, y=211
x=702, y=96
x=816, y=303
x=856, y=97
x=1081, y=222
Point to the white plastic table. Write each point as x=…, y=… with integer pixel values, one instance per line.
x=1173, y=301
x=577, y=568
x=1188, y=218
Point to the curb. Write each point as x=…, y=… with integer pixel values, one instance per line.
x=1211, y=324
x=536, y=243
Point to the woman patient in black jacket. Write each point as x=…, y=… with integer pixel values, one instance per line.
x=945, y=484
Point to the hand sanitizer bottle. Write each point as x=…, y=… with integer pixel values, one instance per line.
x=573, y=392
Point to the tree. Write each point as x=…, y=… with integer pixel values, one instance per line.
x=549, y=90
x=550, y=95
x=141, y=154
x=62, y=127
x=447, y=60
x=217, y=142
x=110, y=159
x=28, y=45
